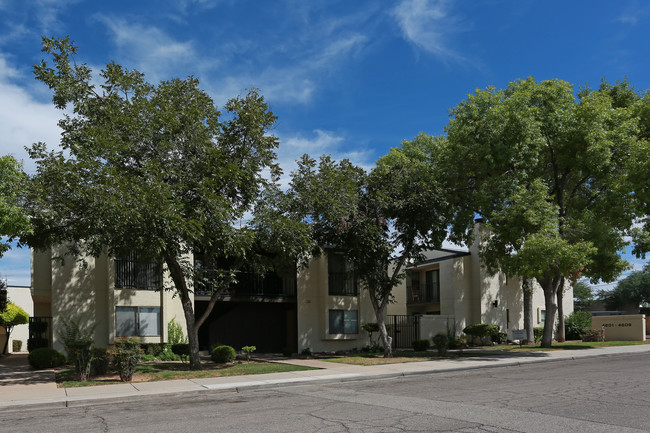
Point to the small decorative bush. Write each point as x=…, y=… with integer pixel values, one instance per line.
x=154, y=349
x=77, y=342
x=35, y=343
x=441, y=343
x=481, y=332
x=500, y=338
x=373, y=348
x=99, y=360
x=181, y=349
x=306, y=352
x=420, y=345
x=591, y=335
x=223, y=354
x=16, y=345
x=44, y=357
x=538, y=332
x=175, y=333
x=247, y=351
x=576, y=324
x=125, y=357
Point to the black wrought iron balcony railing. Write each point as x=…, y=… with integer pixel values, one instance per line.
x=423, y=294
x=249, y=285
x=341, y=284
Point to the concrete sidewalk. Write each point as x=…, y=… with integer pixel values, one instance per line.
x=22, y=388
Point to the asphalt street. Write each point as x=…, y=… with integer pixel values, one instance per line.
x=600, y=394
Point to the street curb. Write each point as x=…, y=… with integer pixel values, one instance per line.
x=65, y=402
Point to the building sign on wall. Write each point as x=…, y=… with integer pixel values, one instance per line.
x=629, y=327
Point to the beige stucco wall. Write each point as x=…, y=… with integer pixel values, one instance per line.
x=20, y=296
x=629, y=327
x=86, y=293
x=314, y=303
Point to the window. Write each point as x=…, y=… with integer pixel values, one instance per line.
x=137, y=321
x=344, y=322
x=340, y=279
x=133, y=273
x=433, y=286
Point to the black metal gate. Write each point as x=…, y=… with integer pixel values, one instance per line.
x=404, y=330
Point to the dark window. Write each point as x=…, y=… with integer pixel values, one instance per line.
x=340, y=279
x=133, y=273
x=137, y=321
x=344, y=322
x=433, y=286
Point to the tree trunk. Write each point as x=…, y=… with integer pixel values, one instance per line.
x=561, y=337
x=550, y=285
x=527, y=286
x=188, y=309
x=379, y=309
x=5, y=349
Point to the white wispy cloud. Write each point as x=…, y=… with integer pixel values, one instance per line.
x=428, y=24
x=320, y=142
x=23, y=119
x=633, y=13
x=150, y=49
x=15, y=267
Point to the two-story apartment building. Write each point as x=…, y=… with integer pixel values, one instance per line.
x=319, y=307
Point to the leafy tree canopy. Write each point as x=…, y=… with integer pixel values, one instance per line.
x=158, y=170
x=548, y=171
x=379, y=220
x=13, y=219
x=583, y=296
x=633, y=289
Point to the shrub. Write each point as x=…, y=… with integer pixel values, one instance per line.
x=168, y=355
x=44, y=357
x=247, y=351
x=373, y=348
x=481, y=330
x=16, y=345
x=306, y=352
x=500, y=338
x=175, y=333
x=441, y=343
x=576, y=324
x=35, y=343
x=223, y=354
x=538, y=332
x=591, y=335
x=181, y=349
x=420, y=345
x=154, y=349
x=77, y=342
x=125, y=357
x=99, y=360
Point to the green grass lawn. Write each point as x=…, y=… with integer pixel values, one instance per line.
x=573, y=345
x=401, y=357
x=173, y=370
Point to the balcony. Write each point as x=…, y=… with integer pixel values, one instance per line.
x=423, y=294
x=251, y=286
x=341, y=284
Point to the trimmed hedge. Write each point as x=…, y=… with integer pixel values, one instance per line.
x=420, y=345
x=481, y=330
x=44, y=357
x=223, y=354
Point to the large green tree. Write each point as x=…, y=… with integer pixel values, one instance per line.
x=154, y=169
x=569, y=153
x=379, y=220
x=13, y=219
x=633, y=289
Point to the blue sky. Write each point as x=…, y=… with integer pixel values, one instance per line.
x=351, y=79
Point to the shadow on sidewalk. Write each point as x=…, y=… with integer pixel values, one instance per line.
x=15, y=370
